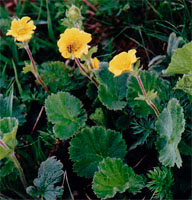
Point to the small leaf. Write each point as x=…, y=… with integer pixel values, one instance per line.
x=91, y=145
x=170, y=125
x=28, y=68
x=151, y=82
x=66, y=112
x=173, y=43
x=49, y=174
x=185, y=83
x=181, y=60
x=98, y=117
x=112, y=90
x=114, y=176
x=8, y=130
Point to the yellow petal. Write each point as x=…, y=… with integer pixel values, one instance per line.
x=122, y=62
x=95, y=63
x=73, y=42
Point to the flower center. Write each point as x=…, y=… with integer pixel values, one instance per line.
x=22, y=30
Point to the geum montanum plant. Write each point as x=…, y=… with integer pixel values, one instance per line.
x=98, y=152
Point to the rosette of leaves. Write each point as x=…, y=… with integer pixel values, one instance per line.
x=66, y=112
x=91, y=145
x=170, y=126
x=11, y=107
x=58, y=77
x=161, y=182
x=49, y=174
x=111, y=90
x=114, y=176
x=8, y=130
x=151, y=81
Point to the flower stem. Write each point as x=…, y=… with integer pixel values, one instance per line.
x=85, y=72
x=36, y=74
x=18, y=166
x=149, y=102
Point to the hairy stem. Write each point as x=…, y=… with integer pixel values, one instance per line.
x=85, y=72
x=36, y=74
x=150, y=103
x=20, y=169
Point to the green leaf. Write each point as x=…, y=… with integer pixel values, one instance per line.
x=170, y=125
x=66, y=112
x=58, y=77
x=91, y=145
x=181, y=60
x=98, y=117
x=161, y=182
x=185, y=83
x=173, y=43
x=14, y=109
x=49, y=174
x=28, y=68
x=112, y=90
x=114, y=176
x=8, y=130
x=151, y=81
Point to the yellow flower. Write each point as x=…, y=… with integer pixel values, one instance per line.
x=123, y=62
x=22, y=29
x=73, y=42
x=94, y=63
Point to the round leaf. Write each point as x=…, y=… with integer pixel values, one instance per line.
x=91, y=145
x=181, y=60
x=114, y=176
x=65, y=111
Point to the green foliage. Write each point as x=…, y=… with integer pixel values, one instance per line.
x=142, y=130
x=11, y=107
x=98, y=117
x=112, y=90
x=181, y=60
x=161, y=182
x=173, y=43
x=66, y=112
x=59, y=77
x=91, y=145
x=185, y=83
x=8, y=130
x=113, y=176
x=50, y=173
x=170, y=125
x=151, y=81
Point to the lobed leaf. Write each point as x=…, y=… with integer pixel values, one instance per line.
x=91, y=145
x=112, y=90
x=49, y=174
x=66, y=112
x=170, y=125
x=114, y=176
